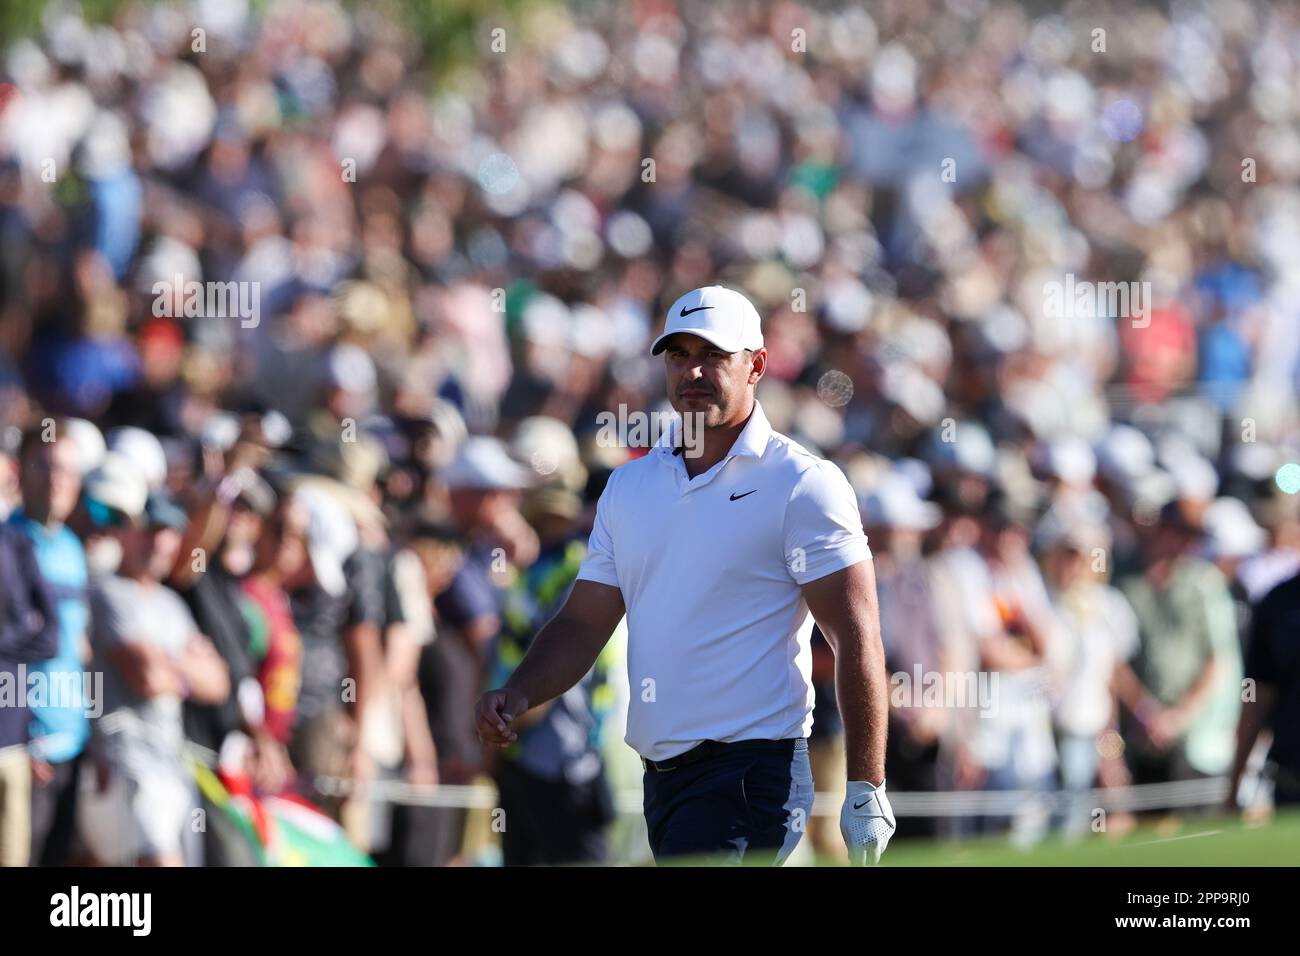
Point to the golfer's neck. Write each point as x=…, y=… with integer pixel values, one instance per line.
x=717, y=442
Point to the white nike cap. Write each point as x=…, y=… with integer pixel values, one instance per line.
x=722, y=316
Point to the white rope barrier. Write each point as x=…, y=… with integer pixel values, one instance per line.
x=961, y=803
x=1208, y=791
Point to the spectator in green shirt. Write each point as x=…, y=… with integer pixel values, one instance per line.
x=1183, y=688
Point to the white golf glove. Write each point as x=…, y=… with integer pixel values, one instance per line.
x=866, y=822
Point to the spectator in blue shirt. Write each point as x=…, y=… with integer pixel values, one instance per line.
x=51, y=481
x=26, y=635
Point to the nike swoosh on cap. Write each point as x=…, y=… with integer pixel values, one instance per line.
x=685, y=311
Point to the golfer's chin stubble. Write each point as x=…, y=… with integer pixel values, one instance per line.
x=714, y=413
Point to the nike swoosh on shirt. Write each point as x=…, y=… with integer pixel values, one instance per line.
x=699, y=308
x=736, y=497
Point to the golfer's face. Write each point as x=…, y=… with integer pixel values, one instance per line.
x=704, y=379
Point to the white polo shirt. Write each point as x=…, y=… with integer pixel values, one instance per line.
x=710, y=570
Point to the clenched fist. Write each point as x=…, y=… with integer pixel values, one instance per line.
x=495, y=712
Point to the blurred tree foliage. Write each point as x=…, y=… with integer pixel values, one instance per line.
x=450, y=32
x=21, y=18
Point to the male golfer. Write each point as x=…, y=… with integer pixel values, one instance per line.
x=717, y=550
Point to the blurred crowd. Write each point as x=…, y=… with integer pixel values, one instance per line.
x=304, y=537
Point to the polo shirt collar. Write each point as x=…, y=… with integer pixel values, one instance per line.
x=751, y=441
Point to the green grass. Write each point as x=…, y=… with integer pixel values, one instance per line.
x=1188, y=841
x=1197, y=841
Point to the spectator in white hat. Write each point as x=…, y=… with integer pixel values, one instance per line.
x=547, y=446
x=1279, y=559
x=1231, y=538
x=154, y=659
x=145, y=450
x=1098, y=634
x=1017, y=626
x=325, y=736
x=113, y=494
x=89, y=442
x=484, y=486
x=896, y=520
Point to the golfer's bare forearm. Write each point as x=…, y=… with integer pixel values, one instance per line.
x=862, y=691
x=845, y=607
x=560, y=656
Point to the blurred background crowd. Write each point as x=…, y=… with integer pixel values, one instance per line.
x=300, y=542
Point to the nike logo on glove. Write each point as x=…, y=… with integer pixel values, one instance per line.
x=866, y=822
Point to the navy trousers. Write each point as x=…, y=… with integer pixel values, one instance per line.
x=748, y=803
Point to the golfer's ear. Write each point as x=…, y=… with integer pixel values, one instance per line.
x=758, y=365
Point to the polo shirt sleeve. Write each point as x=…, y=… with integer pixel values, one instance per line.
x=823, y=529
x=599, y=565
